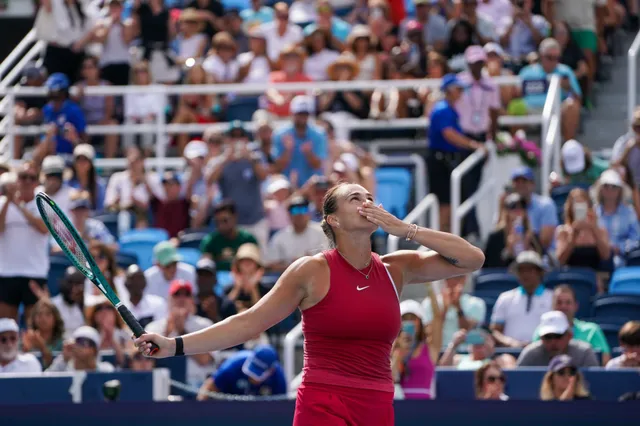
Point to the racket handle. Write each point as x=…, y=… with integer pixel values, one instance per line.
x=135, y=326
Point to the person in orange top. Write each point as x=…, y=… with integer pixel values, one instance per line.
x=291, y=71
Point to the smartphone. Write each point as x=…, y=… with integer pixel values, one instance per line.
x=475, y=337
x=580, y=211
x=409, y=327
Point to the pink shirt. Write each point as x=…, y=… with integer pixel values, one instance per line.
x=418, y=383
x=478, y=99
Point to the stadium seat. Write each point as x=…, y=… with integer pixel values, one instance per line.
x=125, y=259
x=611, y=333
x=393, y=189
x=192, y=238
x=582, y=280
x=625, y=280
x=616, y=308
x=242, y=108
x=58, y=263
x=189, y=255
x=633, y=258
x=142, y=249
x=149, y=235
x=111, y=222
x=224, y=279
x=495, y=281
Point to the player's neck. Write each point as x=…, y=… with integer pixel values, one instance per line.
x=356, y=249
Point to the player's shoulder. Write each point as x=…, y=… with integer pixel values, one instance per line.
x=309, y=264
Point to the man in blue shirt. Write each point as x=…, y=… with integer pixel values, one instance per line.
x=535, y=86
x=256, y=372
x=448, y=145
x=541, y=210
x=65, y=117
x=300, y=146
x=326, y=20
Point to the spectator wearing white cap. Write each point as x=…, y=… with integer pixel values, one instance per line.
x=521, y=31
x=275, y=207
x=300, y=146
x=615, y=214
x=53, y=167
x=556, y=339
x=517, y=312
x=411, y=361
x=81, y=353
x=194, y=182
x=84, y=176
x=11, y=359
x=580, y=167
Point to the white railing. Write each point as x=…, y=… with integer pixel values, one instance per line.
x=428, y=204
x=551, y=133
x=459, y=211
x=17, y=53
x=632, y=85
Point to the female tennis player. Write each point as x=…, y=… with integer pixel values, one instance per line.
x=350, y=310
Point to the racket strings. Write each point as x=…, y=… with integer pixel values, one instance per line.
x=68, y=242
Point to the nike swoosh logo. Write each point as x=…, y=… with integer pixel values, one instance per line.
x=362, y=288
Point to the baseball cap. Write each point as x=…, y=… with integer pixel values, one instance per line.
x=523, y=172
x=475, y=54
x=448, y=81
x=84, y=150
x=8, y=324
x=260, y=363
x=164, y=253
x=32, y=71
x=195, y=149
x=302, y=104
x=559, y=362
x=573, y=157
x=177, y=285
x=86, y=332
x=529, y=257
x=57, y=81
x=413, y=25
x=278, y=184
x=611, y=177
x=206, y=264
x=53, y=164
x=493, y=47
x=412, y=307
x=553, y=322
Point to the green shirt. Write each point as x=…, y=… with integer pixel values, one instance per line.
x=591, y=175
x=223, y=249
x=588, y=332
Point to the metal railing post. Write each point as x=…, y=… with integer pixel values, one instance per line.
x=632, y=77
x=161, y=132
x=456, y=187
x=11, y=102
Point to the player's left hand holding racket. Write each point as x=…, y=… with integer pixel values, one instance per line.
x=71, y=243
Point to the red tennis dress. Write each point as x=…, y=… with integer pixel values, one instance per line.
x=348, y=337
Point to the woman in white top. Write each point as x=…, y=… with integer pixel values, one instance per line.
x=318, y=45
x=255, y=65
x=115, y=36
x=142, y=107
x=191, y=40
x=360, y=45
x=66, y=27
x=221, y=64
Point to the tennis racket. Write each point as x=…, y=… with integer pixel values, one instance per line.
x=76, y=250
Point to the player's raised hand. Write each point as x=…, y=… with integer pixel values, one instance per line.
x=166, y=346
x=385, y=220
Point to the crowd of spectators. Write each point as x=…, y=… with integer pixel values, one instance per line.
x=258, y=194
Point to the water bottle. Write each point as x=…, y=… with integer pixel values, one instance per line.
x=518, y=228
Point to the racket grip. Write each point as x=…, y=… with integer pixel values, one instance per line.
x=135, y=326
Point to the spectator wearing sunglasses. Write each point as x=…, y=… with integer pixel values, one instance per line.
x=563, y=381
x=11, y=359
x=490, y=381
x=301, y=238
x=81, y=353
x=556, y=339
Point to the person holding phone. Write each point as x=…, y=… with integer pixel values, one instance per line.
x=581, y=241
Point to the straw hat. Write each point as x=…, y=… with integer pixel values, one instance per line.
x=292, y=49
x=248, y=251
x=191, y=14
x=343, y=61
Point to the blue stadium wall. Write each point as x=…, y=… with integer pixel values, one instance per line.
x=408, y=413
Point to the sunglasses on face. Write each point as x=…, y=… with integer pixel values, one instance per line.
x=8, y=339
x=85, y=343
x=27, y=177
x=569, y=371
x=552, y=336
x=492, y=379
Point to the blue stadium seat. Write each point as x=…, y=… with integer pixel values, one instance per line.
x=189, y=255
x=242, y=108
x=125, y=259
x=149, y=235
x=495, y=281
x=224, y=280
x=489, y=301
x=616, y=308
x=625, y=280
x=393, y=189
x=142, y=249
x=633, y=258
x=611, y=333
x=192, y=238
x=582, y=280
x=111, y=222
x=58, y=263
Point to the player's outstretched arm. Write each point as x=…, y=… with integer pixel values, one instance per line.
x=280, y=302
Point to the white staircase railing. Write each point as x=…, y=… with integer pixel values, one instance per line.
x=17, y=53
x=551, y=133
x=632, y=85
